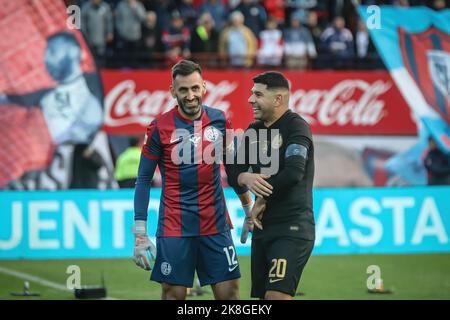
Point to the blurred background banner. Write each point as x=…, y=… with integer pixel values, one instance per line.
x=336, y=103
x=50, y=94
x=414, y=44
x=97, y=224
x=373, y=124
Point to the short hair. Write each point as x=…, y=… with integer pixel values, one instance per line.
x=237, y=15
x=134, y=141
x=185, y=68
x=272, y=79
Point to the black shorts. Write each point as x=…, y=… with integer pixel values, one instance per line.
x=277, y=264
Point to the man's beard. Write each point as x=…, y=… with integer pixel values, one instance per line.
x=190, y=110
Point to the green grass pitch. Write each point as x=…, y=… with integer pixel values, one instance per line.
x=424, y=276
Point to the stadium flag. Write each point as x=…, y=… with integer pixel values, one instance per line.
x=50, y=93
x=414, y=44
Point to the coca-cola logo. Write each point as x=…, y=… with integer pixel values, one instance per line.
x=352, y=102
x=124, y=106
x=348, y=102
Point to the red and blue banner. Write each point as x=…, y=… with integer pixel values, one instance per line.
x=414, y=44
x=50, y=93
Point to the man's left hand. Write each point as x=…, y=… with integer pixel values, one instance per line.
x=258, y=211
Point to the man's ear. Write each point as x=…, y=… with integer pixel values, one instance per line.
x=204, y=87
x=172, y=91
x=278, y=99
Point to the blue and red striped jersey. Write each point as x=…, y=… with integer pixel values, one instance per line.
x=192, y=200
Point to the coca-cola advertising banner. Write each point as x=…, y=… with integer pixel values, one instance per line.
x=338, y=103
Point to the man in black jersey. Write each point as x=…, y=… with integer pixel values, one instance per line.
x=284, y=232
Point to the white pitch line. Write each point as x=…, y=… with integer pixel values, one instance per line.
x=29, y=277
x=39, y=280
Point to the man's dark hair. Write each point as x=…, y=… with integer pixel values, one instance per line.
x=185, y=68
x=134, y=141
x=272, y=79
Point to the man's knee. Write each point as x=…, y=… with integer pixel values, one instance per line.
x=276, y=295
x=227, y=290
x=170, y=292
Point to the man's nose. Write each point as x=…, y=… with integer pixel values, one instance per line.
x=190, y=95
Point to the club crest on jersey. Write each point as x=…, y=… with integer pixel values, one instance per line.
x=277, y=142
x=211, y=134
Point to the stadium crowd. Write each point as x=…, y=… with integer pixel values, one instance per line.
x=294, y=34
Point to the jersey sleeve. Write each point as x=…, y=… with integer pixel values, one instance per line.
x=298, y=144
x=152, y=148
x=142, y=190
x=229, y=155
x=151, y=152
x=241, y=161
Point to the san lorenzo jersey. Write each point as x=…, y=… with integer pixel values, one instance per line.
x=192, y=201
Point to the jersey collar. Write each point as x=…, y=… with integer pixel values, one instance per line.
x=279, y=119
x=184, y=119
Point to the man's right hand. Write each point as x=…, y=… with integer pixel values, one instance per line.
x=247, y=226
x=256, y=183
x=144, y=250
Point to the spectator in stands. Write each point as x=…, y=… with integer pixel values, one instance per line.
x=298, y=45
x=437, y=164
x=97, y=27
x=218, y=11
x=300, y=9
x=130, y=14
x=176, y=39
x=232, y=4
x=314, y=27
x=276, y=9
x=362, y=40
x=85, y=166
x=366, y=52
x=189, y=13
x=438, y=5
x=337, y=43
x=255, y=15
x=401, y=3
x=205, y=41
x=127, y=164
x=151, y=39
x=237, y=42
x=270, y=52
x=163, y=9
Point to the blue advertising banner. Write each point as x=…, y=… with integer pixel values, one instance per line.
x=97, y=224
